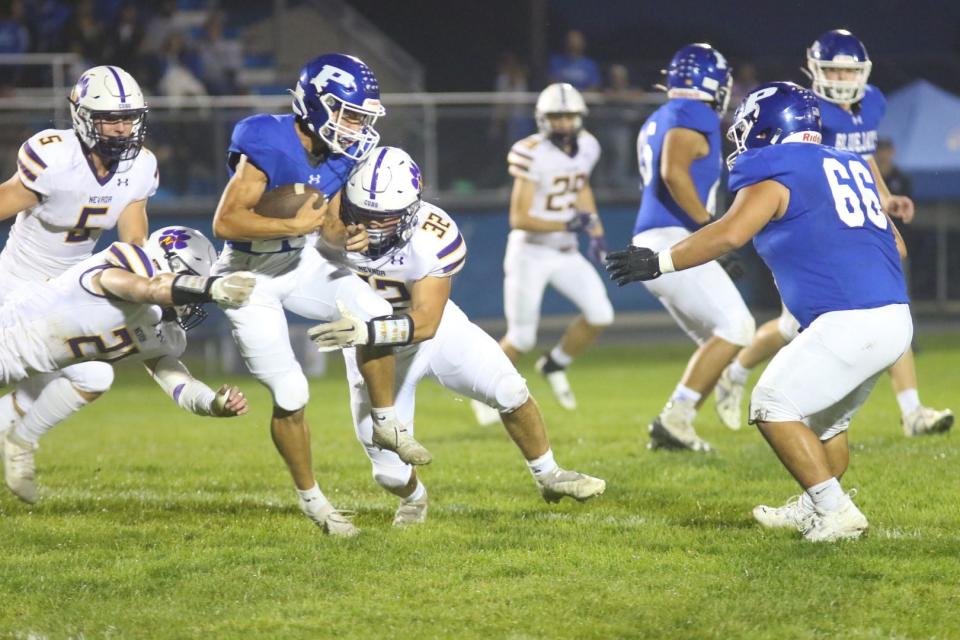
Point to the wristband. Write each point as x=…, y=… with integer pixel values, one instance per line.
x=390, y=330
x=192, y=289
x=665, y=261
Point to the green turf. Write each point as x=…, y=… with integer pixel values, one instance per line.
x=155, y=524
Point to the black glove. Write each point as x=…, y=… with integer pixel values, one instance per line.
x=731, y=264
x=633, y=263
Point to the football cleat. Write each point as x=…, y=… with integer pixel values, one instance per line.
x=485, y=414
x=925, y=421
x=411, y=512
x=728, y=399
x=789, y=516
x=331, y=521
x=19, y=467
x=845, y=523
x=393, y=436
x=673, y=428
x=556, y=376
x=560, y=483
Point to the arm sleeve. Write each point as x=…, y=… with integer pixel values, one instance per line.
x=188, y=392
x=129, y=257
x=250, y=137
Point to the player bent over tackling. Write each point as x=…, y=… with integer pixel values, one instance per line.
x=815, y=217
x=122, y=303
x=415, y=249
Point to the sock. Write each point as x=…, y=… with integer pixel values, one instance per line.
x=418, y=494
x=738, y=373
x=827, y=496
x=543, y=465
x=560, y=357
x=685, y=394
x=58, y=401
x=312, y=495
x=806, y=502
x=383, y=414
x=909, y=401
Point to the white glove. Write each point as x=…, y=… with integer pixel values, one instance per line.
x=232, y=291
x=348, y=331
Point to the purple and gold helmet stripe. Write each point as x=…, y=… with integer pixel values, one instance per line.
x=450, y=248
x=376, y=172
x=116, y=76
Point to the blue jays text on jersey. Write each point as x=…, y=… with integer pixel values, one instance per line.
x=854, y=130
x=833, y=249
x=657, y=207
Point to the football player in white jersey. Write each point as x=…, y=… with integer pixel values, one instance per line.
x=551, y=202
x=71, y=185
x=122, y=303
x=415, y=249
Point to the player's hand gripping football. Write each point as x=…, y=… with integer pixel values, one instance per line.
x=234, y=290
x=311, y=215
x=348, y=331
x=229, y=402
x=632, y=264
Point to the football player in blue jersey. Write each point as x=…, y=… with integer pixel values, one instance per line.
x=680, y=164
x=336, y=103
x=815, y=217
x=850, y=109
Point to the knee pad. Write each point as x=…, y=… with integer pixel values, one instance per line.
x=510, y=392
x=523, y=339
x=91, y=377
x=600, y=315
x=392, y=477
x=788, y=326
x=290, y=390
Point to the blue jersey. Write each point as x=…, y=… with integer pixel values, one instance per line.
x=657, y=207
x=271, y=143
x=833, y=249
x=854, y=130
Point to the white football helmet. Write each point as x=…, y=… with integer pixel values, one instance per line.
x=182, y=251
x=560, y=98
x=108, y=93
x=384, y=195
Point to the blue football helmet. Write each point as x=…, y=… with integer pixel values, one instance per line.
x=700, y=72
x=338, y=98
x=840, y=54
x=384, y=195
x=774, y=113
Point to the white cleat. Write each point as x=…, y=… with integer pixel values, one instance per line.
x=673, y=429
x=412, y=512
x=485, y=414
x=331, y=521
x=728, y=399
x=19, y=467
x=394, y=436
x=557, y=378
x=925, y=421
x=845, y=523
x=789, y=516
x=560, y=483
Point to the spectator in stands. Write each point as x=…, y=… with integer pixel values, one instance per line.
x=617, y=126
x=127, y=35
x=178, y=78
x=220, y=59
x=573, y=66
x=510, y=122
x=85, y=36
x=14, y=38
x=897, y=181
x=48, y=20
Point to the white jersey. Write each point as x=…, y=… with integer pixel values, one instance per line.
x=63, y=322
x=75, y=206
x=559, y=178
x=436, y=249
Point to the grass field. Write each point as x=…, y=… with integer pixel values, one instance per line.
x=155, y=524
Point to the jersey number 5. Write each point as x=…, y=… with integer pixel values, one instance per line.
x=851, y=202
x=82, y=232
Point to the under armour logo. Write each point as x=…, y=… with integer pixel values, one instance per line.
x=123, y=182
x=331, y=73
x=396, y=260
x=314, y=178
